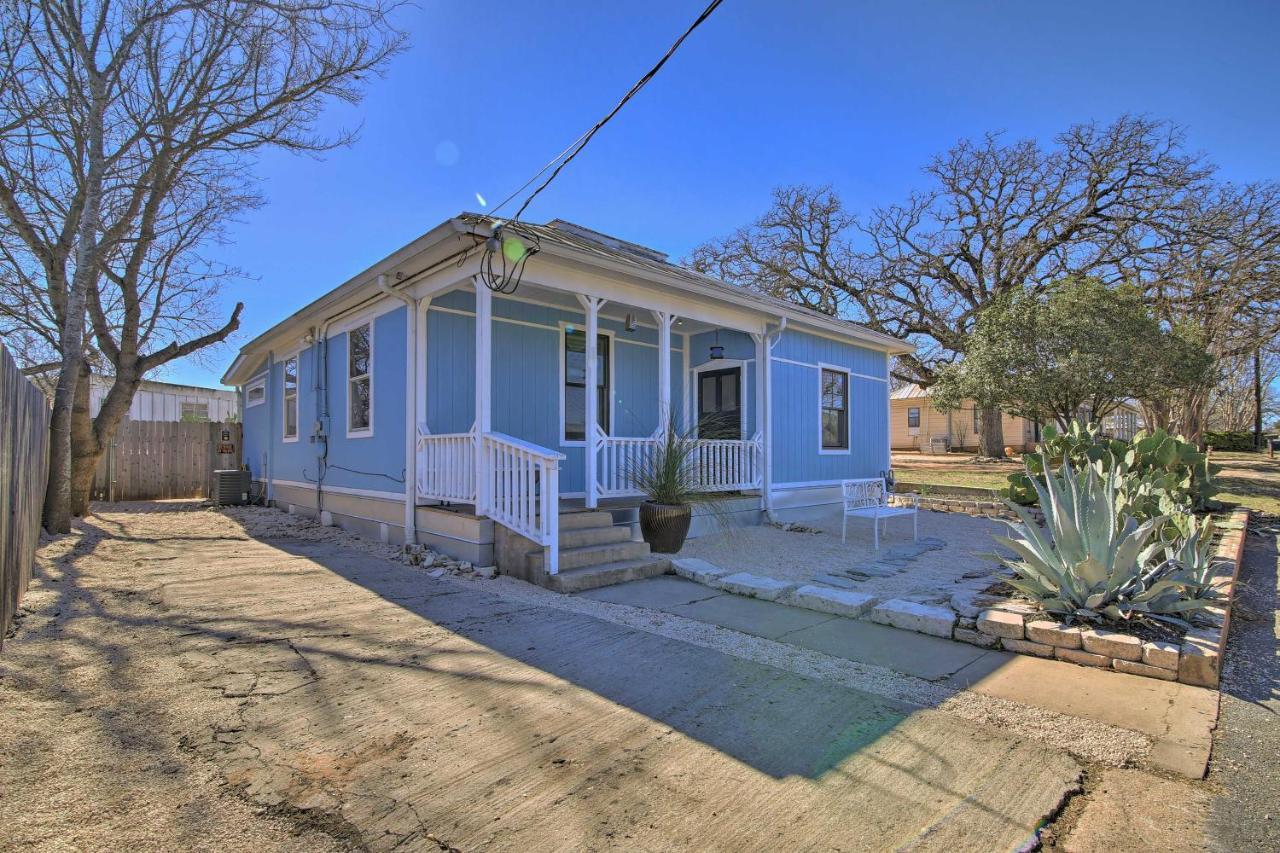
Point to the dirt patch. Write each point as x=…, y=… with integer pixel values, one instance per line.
x=96, y=705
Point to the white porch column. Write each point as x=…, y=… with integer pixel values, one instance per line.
x=764, y=416
x=665, y=414
x=591, y=305
x=484, y=389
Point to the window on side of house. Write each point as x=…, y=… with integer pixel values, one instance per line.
x=913, y=417
x=575, y=384
x=835, y=409
x=360, y=379
x=193, y=412
x=291, y=398
x=255, y=394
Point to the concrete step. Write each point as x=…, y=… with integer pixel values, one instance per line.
x=592, y=577
x=583, y=536
x=580, y=520
x=592, y=555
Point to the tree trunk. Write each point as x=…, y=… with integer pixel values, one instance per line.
x=1257, y=398
x=85, y=450
x=991, y=438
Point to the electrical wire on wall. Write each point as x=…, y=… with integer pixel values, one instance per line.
x=510, y=246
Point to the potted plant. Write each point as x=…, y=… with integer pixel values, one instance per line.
x=669, y=479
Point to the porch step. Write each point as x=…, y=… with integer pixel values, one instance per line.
x=592, y=555
x=585, y=519
x=582, y=536
x=607, y=574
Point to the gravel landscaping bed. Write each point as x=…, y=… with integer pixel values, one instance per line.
x=930, y=576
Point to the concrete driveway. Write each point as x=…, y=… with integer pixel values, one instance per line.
x=385, y=709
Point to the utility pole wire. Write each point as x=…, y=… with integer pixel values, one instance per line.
x=566, y=156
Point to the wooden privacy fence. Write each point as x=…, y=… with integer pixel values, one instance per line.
x=24, y=471
x=154, y=460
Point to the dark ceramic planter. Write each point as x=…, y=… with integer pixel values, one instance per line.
x=665, y=526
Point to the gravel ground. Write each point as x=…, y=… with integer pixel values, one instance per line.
x=801, y=557
x=1246, y=748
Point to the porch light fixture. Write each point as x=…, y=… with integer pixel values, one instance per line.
x=717, y=351
x=506, y=250
x=630, y=325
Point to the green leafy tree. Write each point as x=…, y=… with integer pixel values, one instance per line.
x=1080, y=346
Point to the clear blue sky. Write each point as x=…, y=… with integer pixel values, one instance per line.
x=853, y=94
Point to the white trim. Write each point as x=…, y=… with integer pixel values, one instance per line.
x=722, y=364
x=397, y=497
x=363, y=432
x=257, y=382
x=804, y=484
x=633, y=343
x=817, y=365
x=284, y=397
x=848, y=411
x=366, y=315
x=612, y=378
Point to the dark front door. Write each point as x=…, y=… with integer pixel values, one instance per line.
x=720, y=404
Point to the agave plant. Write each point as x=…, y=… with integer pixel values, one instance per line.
x=1091, y=561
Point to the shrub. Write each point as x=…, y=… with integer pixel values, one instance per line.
x=1164, y=474
x=1093, y=562
x=1235, y=440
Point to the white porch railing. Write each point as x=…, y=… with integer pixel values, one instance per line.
x=520, y=489
x=447, y=466
x=722, y=465
x=515, y=483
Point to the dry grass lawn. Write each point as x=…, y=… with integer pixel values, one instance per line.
x=1249, y=479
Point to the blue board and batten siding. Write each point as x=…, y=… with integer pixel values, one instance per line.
x=526, y=395
x=797, y=444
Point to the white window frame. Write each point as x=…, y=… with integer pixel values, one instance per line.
x=613, y=378
x=361, y=432
x=258, y=383
x=285, y=398
x=913, y=430
x=848, y=411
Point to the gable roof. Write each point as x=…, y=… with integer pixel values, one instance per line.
x=576, y=242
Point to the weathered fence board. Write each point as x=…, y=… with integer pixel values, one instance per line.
x=155, y=460
x=24, y=471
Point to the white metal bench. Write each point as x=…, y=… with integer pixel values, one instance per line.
x=869, y=498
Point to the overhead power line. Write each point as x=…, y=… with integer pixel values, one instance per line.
x=566, y=156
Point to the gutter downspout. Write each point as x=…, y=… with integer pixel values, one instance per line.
x=771, y=341
x=410, y=410
x=271, y=437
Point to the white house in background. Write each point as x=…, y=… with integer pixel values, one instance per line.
x=166, y=401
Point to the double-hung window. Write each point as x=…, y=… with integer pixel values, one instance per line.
x=835, y=409
x=575, y=384
x=913, y=417
x=291, y=398
x=360, y=380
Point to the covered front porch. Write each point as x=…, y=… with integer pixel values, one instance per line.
x=532, y=402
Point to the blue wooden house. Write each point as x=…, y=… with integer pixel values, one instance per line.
x=415, y=403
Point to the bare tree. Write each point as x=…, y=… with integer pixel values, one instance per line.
x=1217, y=276
x=999, y=217
x=127, y=132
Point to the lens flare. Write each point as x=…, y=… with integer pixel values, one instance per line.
x=513, y=250
x=480, y=199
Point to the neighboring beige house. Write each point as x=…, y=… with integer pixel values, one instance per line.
x=916, y=425
x=167, y=401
